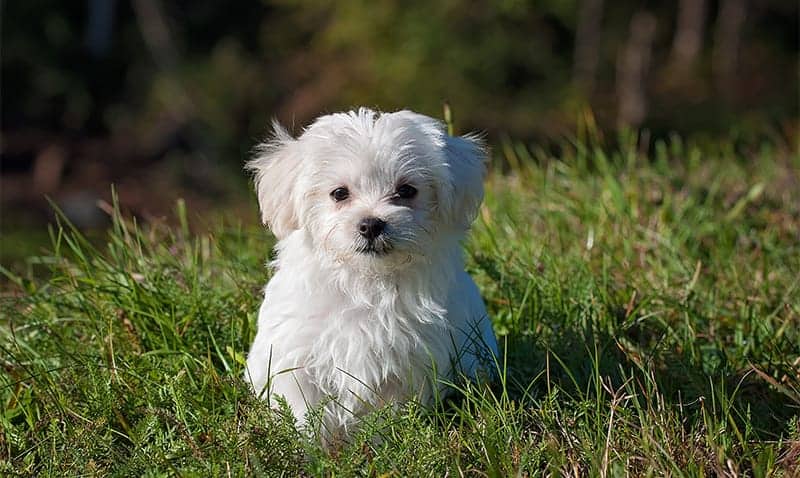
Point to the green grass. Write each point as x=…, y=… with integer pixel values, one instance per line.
x=649, y=307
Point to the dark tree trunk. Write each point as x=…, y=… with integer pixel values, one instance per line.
x=727, y=38
x=633, y=64
x=587, y=44
x=688, y=41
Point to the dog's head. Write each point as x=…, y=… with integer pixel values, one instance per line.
x=369, y=187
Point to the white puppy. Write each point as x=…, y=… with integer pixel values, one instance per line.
x=369, y=303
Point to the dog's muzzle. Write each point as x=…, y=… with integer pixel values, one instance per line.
x=373, y=230
x=371, y=227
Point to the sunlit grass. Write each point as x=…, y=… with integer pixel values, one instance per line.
x=648, y=305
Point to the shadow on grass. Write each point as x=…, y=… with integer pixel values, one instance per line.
x=574, y=361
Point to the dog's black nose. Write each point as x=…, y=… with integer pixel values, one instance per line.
x=371, y=227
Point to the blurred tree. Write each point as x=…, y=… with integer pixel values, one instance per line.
x=633, y=66
x=687, y=42
x=98, y=91
x=727, y=39
x=587, y=44
x=417, y=53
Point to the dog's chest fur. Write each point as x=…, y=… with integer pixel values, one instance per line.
x=357, y=338
x=373, y=333
x=373, y=347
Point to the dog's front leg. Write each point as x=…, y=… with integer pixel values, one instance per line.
x=298, y=390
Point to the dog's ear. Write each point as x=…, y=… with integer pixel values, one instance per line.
x=276, y=168
x=466, y=164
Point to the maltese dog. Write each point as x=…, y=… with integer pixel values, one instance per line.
x=369, y=303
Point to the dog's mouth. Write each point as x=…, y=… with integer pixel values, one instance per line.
x=375, y=249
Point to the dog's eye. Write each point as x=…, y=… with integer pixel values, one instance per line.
x=406, y=191
x=340, y=194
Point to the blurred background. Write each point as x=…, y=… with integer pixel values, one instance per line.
x=164, y=99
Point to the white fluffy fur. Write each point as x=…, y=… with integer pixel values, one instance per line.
x=344, y=331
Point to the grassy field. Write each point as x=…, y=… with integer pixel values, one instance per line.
x=648, y=305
